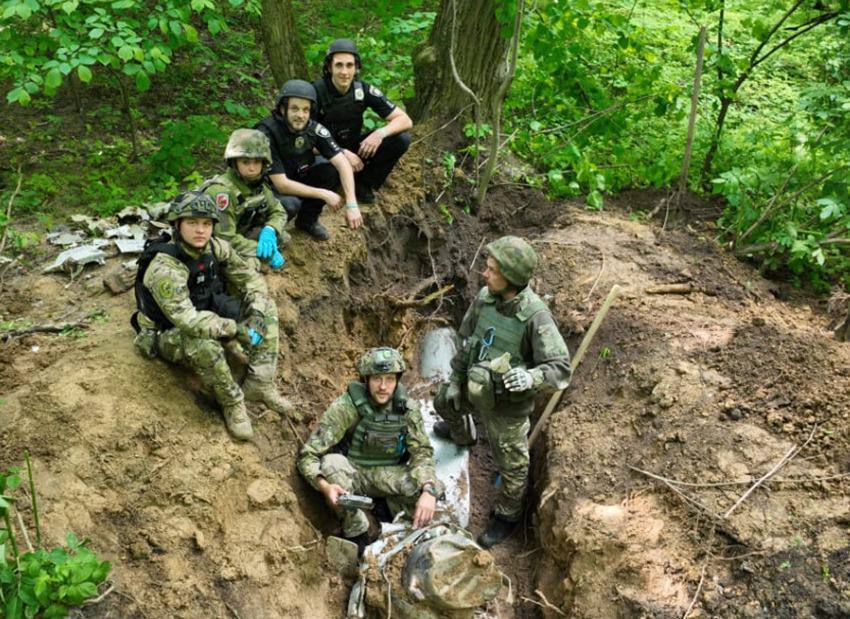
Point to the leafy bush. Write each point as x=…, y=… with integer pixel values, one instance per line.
x=181, y=143
x=40, y=582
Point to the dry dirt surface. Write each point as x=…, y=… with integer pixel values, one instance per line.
x=704, y=392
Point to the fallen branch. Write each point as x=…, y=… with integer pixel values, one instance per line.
x=50, y=328
x=696, y=593
x=425, y=300
x=790, y=455
x=692, y=502
x=672, y=289
x=101, y=597
x=546, y=603
x=9, y=211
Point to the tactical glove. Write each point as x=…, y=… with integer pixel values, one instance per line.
x=248, y=336
x=518, y=379
x=267, y=243
x=277, y=260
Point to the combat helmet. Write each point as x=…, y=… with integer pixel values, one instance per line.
x=383, y=360
x=296, y=88
x=192, y=204
x=516, y=259
x=341, y=46
x=248, y=143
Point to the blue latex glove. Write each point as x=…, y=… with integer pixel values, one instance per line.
x=277, y=260
x=267, y=243
x=256, y=338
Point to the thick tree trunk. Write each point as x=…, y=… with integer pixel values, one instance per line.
x=280, y=38
x=479, y=55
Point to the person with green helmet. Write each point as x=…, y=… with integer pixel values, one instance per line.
x=343, y=100
x=371, y=440
x=186, y=316
x=303, y=182
x=251, y=219
x=511, y=351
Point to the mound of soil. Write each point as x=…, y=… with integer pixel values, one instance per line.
x=708, y=389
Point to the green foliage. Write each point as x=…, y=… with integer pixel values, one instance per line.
x=40, y=582
x=180, y=144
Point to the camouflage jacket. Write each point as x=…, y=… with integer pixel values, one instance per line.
x=342, y=416
x=543, y=347
x=167, y=279
x=242, y=208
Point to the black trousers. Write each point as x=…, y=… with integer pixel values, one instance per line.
x=306, y=211
x=378, y=167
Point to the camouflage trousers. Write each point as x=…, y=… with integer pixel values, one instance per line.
x=508, y=438
x=391, y=482
x=206, y=358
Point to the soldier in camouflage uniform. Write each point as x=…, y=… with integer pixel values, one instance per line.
x=371, y=440
x=251, y=219
x=511, y=350
x=185, y=314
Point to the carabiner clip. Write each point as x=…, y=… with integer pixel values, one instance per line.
x=486, y=343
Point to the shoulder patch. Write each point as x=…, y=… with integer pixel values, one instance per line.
x=165, y=288
x=375, y=91
x=222, y=201
x=322, y=132
x=359, y=95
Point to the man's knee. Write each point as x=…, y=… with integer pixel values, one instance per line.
x=203, y=353
x=337, y=469
x=291, y=204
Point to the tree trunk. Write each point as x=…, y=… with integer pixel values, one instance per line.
x=280, y=38
x=479, y=54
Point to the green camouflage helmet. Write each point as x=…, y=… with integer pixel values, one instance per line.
x=383, y=360
x=192, y=204
x=248, y=143
x=516, y=258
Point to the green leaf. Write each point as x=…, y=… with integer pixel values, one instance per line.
x=143, y=82
x=84, y=73
x=191, y=33
x=53, y=79
x=122, y=4
x=96, y=33
x=70, y=6
x=125, y=52
x=594, y=200
x=18, y=95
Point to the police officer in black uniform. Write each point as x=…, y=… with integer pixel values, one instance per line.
x=303, y=182
x=342, y=101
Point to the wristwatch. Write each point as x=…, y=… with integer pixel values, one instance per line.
x=431, y=488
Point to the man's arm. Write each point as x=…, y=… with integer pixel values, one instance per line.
x=285, y=185
x=399, y=122
x=464, y=333
x=551, y=359
x=331, y=429
x=346, y=177
x=228, y=219
x=166, y=279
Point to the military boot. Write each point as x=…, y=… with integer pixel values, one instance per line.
x=238, y=422
x=444, y=430
x=255, y=391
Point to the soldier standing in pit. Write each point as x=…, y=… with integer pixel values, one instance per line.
x=250, y=218
x=371, y=440
x=506, y=317
x=303, y=182
x=184, y=313
x=342, y=101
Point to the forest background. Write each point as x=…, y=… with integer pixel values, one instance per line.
x=110, y=103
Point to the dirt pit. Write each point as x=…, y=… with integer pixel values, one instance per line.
x=681, y=404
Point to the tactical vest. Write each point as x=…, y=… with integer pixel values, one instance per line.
x=342, y=115
x=379, y=438
x=247, y=215
x=205, y=283
x=494, y=335
x=295, y=150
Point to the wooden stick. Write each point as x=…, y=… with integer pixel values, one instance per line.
x=576, y=361
x=672, y=289
x=9, y=211
x=425, y=300
x=699, y=585
x=689, y=142
x=790, y=455
x=688, y=499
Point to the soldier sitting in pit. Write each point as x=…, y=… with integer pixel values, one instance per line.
x=185, y=315
x=251, y=219
x=371, y=440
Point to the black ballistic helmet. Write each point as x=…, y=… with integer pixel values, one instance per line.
x=341, y=46
x=296, y=88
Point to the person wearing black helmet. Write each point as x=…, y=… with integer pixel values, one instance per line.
x=343, y=99
x=303, y=182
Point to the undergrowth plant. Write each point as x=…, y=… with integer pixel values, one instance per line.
x=40, y=582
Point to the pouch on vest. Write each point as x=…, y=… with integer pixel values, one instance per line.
x=479, y=387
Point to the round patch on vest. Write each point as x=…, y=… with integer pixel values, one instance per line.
x=359, y=95
x=222, y=201
x=322, y=132
x=299, y=141
x=375, y=91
